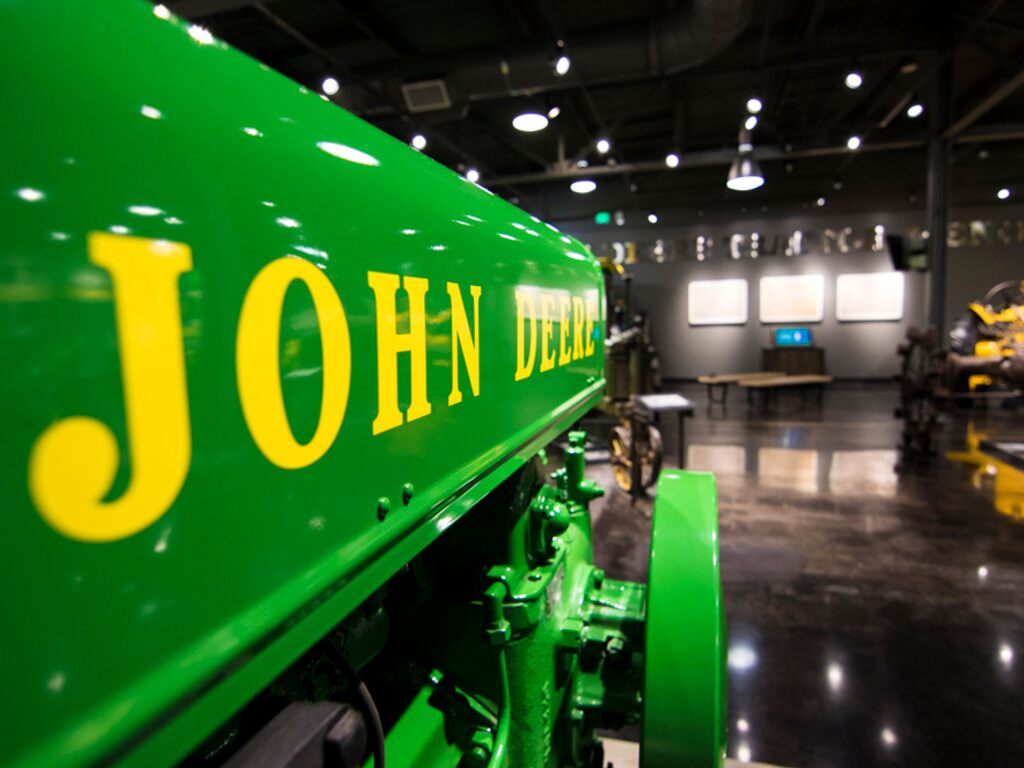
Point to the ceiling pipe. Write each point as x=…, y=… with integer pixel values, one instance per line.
x=669, y=44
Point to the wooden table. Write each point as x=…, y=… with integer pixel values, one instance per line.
x=724, y=380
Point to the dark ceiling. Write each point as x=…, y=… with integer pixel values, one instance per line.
x=656, y=77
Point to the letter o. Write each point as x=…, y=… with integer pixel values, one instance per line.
x=259, y=366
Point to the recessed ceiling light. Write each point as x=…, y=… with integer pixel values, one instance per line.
x=853, y=142
x=562, y=65
x=583, y=186
x=419, y=141
x=915, y=110
x=854, y=80
x=603, y=145
x=672, y=160
x=754, y=105
x=329, y=86
x=530, y=122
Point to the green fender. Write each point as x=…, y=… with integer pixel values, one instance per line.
x=684, y=670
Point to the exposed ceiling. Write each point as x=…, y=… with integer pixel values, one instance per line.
x=658, y=77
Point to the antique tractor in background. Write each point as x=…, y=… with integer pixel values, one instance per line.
x=984, y=362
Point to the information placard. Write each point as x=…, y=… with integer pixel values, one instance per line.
x=717, y=302
x=870, y=296
x=793, y=299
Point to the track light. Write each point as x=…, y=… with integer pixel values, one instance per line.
x=754, y=105
x=329, y=86
x=1003, y=194
x=603, y=145
x=419, y=141
x=562, y=65
x=820, y=202
x=751, y=123
x=854, y=80
x=652, y=218
x=672, y=160
x=853, y=142
x=915, y=110
x=473, y=175
x=554, y=112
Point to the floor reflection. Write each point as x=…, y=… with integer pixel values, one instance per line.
x=792, y=469
x=720, y=459
x=870, y=472
x=874, y=619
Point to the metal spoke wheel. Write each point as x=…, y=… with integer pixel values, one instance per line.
x=648, y=450
x=920, y=377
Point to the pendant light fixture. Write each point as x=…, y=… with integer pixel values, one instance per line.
x=745, y=173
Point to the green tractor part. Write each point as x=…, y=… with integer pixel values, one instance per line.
x=275, y=387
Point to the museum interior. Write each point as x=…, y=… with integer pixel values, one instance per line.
x=513, y=383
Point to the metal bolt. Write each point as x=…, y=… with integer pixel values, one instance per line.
x=407, y=492
x=615, y=646
x=383, y=507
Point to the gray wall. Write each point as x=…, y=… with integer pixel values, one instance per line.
x=986, y=247
x=852, y=350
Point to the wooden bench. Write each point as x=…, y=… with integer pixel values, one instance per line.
x=722, y=381
x=768, y=386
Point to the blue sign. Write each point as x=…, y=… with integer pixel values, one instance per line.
x=793, y=337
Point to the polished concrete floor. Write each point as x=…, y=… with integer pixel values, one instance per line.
x=875, y=617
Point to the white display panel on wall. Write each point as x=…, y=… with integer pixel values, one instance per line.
x=793, y=299
x=716, y=302
x=870, y=296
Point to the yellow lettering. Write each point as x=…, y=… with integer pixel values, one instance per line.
x=547, y=309
x=73, y=462
x=563, y=329
x=258, y=362
x=591, y=317
x=461, y=337
x=577, y=327
x=524, y=363
x=390, y=342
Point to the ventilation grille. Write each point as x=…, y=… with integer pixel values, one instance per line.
x=426, y=96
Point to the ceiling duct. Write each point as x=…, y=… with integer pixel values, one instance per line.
x=668, y=44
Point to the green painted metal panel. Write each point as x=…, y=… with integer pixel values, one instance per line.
x=128, y=123
x=684, y=658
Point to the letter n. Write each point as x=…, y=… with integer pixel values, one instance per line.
x=468, y=341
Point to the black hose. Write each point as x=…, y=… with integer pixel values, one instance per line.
x=369, y=709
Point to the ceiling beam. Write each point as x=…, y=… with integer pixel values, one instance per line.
x=996, y=97
x=724, y=157
x=372, y=23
